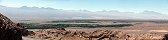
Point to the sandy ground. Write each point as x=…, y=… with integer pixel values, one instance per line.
x=27, y=38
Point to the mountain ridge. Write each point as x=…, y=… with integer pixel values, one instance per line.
x=25, y=12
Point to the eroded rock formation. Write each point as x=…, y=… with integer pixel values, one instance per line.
x=9, y=30
x=54, y=34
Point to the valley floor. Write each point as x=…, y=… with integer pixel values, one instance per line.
x=137, y=29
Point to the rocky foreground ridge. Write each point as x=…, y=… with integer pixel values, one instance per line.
x=62, y=34
x=10, y=30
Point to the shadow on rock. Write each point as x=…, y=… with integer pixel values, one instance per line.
x=165, y=37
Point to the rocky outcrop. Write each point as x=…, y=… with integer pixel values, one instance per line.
x=166, y=37
x=148, y=36
x=55, y=34
x=9, y=30
x=107, y=34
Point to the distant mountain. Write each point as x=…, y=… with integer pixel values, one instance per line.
x=25, y=12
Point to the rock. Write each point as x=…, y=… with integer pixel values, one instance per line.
x=9, y=30
x=72, y=38
x=24, y=31
x=147, y=36
x=79, y=35
x=54, y=34
x=165, y=37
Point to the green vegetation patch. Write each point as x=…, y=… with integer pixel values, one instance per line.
x=47, y=26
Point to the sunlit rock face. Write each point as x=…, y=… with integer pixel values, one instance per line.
x=55, y=34
x=9, y=30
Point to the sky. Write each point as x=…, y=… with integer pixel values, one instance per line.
x=160, y=6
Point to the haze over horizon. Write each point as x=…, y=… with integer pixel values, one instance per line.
x=81, y=9
x=94, y=5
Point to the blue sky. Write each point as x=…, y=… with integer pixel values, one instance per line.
x=94, y=5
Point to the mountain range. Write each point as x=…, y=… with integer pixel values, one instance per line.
x=25, y=12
